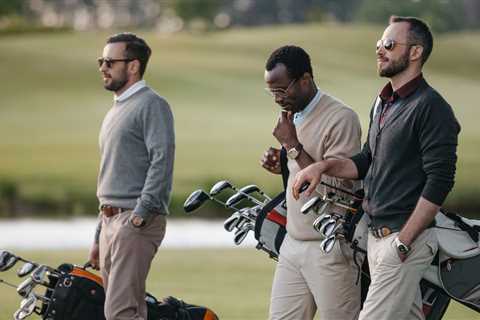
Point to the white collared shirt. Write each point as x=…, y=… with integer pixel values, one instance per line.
x=299, y=117
x=130, y=91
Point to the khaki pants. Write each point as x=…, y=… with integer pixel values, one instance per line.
x=126, y=254
x=394, y=292
x=306, y=279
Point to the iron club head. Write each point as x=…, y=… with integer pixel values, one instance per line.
x=310, y=204
x=320, y=221
x=231, y=222
x=27, y=307
x=26, y=287
x=40, y=275
x=195, y=200
x=327, y=244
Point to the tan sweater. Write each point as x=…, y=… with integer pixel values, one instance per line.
x=330, y=131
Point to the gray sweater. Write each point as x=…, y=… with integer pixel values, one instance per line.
x=137, y=146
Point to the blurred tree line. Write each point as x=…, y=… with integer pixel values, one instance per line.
x=175, y=15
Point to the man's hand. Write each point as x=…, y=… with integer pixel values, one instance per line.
x=311, y=174
x=94, y=256
x=271, y=160
x=285, y=131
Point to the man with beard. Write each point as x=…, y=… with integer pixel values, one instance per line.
x=408, y=166
x=312, y=126
x=135, y=177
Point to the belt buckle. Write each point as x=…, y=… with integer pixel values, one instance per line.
x=381, y=232
x=108, y=211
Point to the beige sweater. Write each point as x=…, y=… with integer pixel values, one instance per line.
x=330, y=131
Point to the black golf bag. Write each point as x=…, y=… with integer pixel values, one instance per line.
x=78, y=295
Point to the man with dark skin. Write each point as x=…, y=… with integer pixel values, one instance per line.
x=408, y=166
x=312, y=126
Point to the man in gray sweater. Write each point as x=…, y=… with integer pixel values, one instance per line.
x=135, y=177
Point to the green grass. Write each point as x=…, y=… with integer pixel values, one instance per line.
x=53, y=101
x=235, y=283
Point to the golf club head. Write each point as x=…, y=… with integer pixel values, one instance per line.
x=27, y=307
x=26, y=287
x=12, y=260
x=327, y=244
x=220, y=186
x=231, y=222
x=195, y=200
x=236, y=198
x=6, y=259
x=310, y=204
x=328, y=228
x=242, y=233
x=40, y=275
x=26, y=269
x=320, y=221
x=241, y=222
x=249, y=189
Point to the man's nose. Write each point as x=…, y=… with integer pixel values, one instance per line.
x=279, y=99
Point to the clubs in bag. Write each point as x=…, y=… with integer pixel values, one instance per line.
x=26, y=287
x=195, y=200
x=311, y=204
x=27, y=307
x=242, y=233
x=220, y=186
x=7, y=260
x=253, y=188
x=26, y=269
x=231, y=222
x=328, y=243
x=40, y=275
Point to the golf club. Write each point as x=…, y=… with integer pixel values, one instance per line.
x=311, y=204
x=220, y=186
x=26, y=269
x=40, y=275
x=253, y=188
x=239, y=196
x=7, y=260
x=320, y=221
x=26, y=287
x=231, y=222
x=8, y=283
x=198, y=198
x=27, y=307
x=327, y=244
x=242, y=233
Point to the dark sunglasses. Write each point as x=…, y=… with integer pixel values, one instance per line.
x=389, y=44
x=109, y=62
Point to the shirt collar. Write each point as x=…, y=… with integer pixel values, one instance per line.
x=300, y=116
x=134, y=88
x=387, y=93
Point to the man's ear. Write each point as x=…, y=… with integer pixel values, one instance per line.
x=134, y=67
x=416, y=52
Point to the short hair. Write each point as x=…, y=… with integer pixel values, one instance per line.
x=136, y=48
x=294, y=58
x=418, y=33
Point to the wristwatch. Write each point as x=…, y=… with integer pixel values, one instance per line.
x=294, y=152
x=137, y=221
x=402, y=247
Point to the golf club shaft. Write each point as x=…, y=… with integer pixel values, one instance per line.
x=8, y=283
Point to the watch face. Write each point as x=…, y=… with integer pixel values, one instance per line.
x=402, y=248
x=292, y=153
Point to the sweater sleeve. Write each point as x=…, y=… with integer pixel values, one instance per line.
x=159, y=137
x=438, y=139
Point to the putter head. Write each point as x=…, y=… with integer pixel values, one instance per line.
x=327, y=244
x=26, y=269
x=26, y=287
x=220, y=186
x=231, y=222
x=40, y=275
x=311, y=204
x=27, y=307
x=249, y=189
x=195, y=200
x=236, y=198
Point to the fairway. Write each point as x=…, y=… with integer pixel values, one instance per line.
x=235, y=283
x=53, y=102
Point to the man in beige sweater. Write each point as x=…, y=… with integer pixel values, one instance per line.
x=312, y=126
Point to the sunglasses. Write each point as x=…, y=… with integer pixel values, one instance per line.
x=280, y=92
x=389, y=44
x=109, y=62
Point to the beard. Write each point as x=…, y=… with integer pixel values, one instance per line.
x=116, y=84
x=395, y=67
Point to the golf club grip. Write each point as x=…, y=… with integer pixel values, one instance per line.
x=341, y=190
x=304, y=187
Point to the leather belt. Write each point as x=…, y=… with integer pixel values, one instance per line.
x=381, y=232
x=109, y=211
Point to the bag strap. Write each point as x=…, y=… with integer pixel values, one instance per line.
x=472, y=231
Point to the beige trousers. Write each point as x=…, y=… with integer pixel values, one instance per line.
x=126, y=254
x=394, y=292
x=306, y=279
